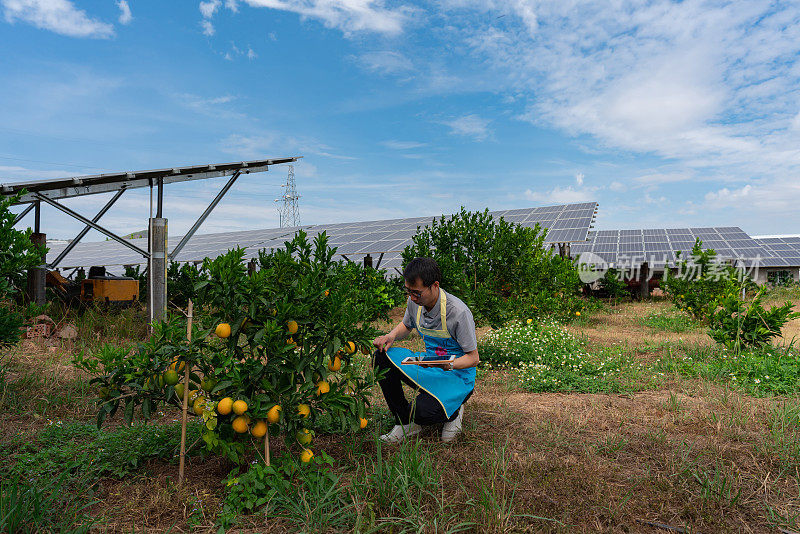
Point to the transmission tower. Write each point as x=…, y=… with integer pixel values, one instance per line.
x=289, y=212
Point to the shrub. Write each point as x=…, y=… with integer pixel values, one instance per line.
x=287, y=336
x=701, y=280
x=613, y=285
x=740, y=324
x=499, y=269
x=17, y=251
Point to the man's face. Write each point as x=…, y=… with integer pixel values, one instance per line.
x=421, y=294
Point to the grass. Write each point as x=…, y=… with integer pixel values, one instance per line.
x=667, y=436
x=668, y=321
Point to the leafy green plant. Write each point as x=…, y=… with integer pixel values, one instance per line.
x=500, y=269
x=10, y=324
x=286, y=338
x=740, y=324
x=700, y=281
x=306, y=496
x=613, y=285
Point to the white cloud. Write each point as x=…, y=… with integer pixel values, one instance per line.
x=59, y=16
x=579, y=178
x=617, y=186
x=251, y=55
x=386, y=62
x=207, y=9
x=709, y=85
x=208, y=28
x=125, y=16
x=402, y=145
x=470, y=126
x=349, y=16
x=562, y=195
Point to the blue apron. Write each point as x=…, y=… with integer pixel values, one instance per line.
x=450, y=388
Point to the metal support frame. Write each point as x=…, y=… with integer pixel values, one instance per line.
x=380, y=259
x=86, y=229
x=24, y=212
x=87, y=222
x=202, y=217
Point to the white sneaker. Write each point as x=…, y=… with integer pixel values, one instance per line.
x=451, y=429
x=401, y=432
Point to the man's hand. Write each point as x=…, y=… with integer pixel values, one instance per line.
x=384, y=342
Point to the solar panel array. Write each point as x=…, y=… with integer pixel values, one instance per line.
x=781, y=251
x=657, y=247
x=386, y=238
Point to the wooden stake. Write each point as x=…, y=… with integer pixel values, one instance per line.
x=266, y=446
x=185, y=415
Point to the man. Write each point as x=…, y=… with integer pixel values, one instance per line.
x=447, y=329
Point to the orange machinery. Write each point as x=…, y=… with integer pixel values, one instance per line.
x=99, y=288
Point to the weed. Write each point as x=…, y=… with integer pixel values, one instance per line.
x=670, y=321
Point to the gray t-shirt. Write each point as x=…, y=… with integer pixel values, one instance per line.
x=460, y=323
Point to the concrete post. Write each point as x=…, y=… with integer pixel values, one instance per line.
x=37, y=276
x=157, y=280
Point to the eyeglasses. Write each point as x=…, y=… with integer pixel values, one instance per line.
x=412, y=292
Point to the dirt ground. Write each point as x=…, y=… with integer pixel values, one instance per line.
x=687, y=456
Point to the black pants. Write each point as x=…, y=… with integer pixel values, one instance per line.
x=425, y=411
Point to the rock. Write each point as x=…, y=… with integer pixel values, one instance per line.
x=68, y=331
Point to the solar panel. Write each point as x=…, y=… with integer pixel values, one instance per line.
x=658, y=246
x=564, y=223
x=781, y=251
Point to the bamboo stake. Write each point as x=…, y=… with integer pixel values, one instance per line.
x=266, y=446
x=184, y=416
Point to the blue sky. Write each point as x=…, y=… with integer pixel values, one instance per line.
x=666, y=113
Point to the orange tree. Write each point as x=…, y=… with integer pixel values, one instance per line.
x=272, y=351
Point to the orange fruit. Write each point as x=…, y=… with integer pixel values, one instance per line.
x=274, y=414
x=327, y=292
x=292, y=327
x=349, y=347
x=290, y=341
x=239, y=407
x=578, y=314
x=303, y=436
x=223, y=330
x=198, y=406
x=259, y=429
x=240, y=424
x=306, y=456
x=530, y=321
x=224, y=406
x=362, y=423
x=323, y=387
x=335, y=364
x=171, y=377
x=304, y=410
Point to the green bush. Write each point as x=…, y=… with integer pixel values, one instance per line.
x=17, y=251
x=499, y=269
x=740, y=324
x=701, y=280
x=17, y=255
x=613, y=285
x=10, y=323
x=368, y=285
